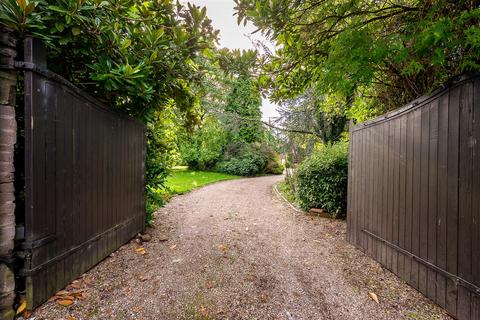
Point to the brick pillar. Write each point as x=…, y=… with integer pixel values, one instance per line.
x=8, y=135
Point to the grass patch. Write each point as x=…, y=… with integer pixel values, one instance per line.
x=286, y=191
x=184, y=180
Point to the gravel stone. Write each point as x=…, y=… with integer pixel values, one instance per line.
x=236, y=250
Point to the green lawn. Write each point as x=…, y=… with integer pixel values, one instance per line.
x=183, y=180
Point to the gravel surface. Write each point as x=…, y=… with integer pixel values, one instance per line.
x=235, y=250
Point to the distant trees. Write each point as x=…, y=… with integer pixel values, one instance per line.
x=231, y=137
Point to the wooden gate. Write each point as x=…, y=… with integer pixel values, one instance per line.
x=84, y=179
x=414, y=194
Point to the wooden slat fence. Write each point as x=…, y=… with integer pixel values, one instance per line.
x=84, y=179
x=414, y=194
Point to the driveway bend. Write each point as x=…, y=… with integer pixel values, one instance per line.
x=236, y=250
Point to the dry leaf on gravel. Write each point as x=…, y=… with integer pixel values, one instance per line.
x=22, y=307
x=173, y=247
x=65, y=302
x=141, y=251
x=374, y=297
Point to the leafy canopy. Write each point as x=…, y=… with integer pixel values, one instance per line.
x=135, y=54
x=384, y=53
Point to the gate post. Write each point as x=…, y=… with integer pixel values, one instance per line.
x=8, y=137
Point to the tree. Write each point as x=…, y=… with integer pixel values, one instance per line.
x=379, y=54
x=230, y=137
x=319, y=115
x=136, y=55
x=140, y=57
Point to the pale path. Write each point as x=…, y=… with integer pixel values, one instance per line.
x=235, y=250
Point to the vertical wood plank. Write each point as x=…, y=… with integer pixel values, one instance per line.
x=442, y=197
x=60, y=181
x=395, y=187
x=384, y=216
x=476, y=205
x=401, y=196
x=390, y=194
x=452, y=206
x=371, y=193
x=432, y=200
x=424, y=173
x=363, y=176
x=465, y=199
x=375, y=197
x=417, y=144
x=409, y=195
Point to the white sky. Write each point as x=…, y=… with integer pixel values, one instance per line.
x=233, y=35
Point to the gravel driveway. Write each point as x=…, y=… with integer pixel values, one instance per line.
x=235, y=250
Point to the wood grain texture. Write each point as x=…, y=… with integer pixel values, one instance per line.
x=85, y=182
x=415, y=189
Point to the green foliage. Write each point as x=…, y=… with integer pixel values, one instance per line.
x=286, y=190
x=383, y=53
x=162, y=152
x=321, y=180
x=231, y=138
x=138, y=55
x=143, y=58
x=249, y=159
x=203, y=149
x=242, y=159
x=243, y=106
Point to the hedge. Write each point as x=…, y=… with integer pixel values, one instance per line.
x=321, y=180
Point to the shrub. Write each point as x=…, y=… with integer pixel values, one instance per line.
x=321, y=180
x=244, y=159
x=273, y=167
x=204, y=148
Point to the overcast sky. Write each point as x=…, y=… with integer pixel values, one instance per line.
x=232, y=35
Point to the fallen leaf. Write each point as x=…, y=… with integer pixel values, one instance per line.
x=173, y=247
x=141, y=250
x=71, y=318
x=374, y=297
x=62, y=293
x=65, y=303
x=22, y=307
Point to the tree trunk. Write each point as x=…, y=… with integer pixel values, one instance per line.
x=8, y=135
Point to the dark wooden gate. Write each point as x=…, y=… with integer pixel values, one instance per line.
x=414, y=194
x=84, y=179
